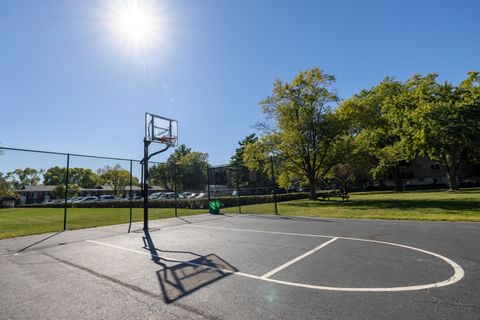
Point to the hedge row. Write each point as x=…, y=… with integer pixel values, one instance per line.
x=229, y=201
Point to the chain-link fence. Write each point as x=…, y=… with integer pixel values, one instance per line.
x=49, y=191
x=244, y=187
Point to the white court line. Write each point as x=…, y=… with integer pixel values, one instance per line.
x=260, y=231
x=283, y=266
x=162, y=257
x=457, y=276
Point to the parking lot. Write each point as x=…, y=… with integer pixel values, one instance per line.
x=246, y=267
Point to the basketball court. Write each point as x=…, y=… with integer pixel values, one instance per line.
x=246, y=267
x=243, y=266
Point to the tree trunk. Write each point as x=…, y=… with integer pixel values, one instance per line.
x=345, y=188
x=452, y=178
x=313, y=191
x=396, y=179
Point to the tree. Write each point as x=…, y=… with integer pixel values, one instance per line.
x=117, y=178
x=444, y=124
x=85, y=178
x=163, y=174
x=237, y=169
x=374, y=127
x=6, y=192
x=192, y=171
x=184, y=167
x=301, y=127
x=59, y=191
x=20, y=178
x=354, y=163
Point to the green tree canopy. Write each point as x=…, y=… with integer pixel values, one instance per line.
x=237, y=169
x=82, y=177
x=117, y=178
x=444, y=121
x=374, y=128
x=185, y=169
x=20, y=178
x=59, y=191
x=6, y=192
x=301, y=127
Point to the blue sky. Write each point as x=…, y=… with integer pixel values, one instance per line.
x=65, y=86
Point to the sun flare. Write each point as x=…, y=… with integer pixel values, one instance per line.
x=137, y=26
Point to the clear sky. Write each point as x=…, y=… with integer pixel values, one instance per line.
x=68, y=83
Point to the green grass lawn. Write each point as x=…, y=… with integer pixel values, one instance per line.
x=438, y=205
x=463, y=205
x=27, y=221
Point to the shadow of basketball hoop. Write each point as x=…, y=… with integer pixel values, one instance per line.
x=182, y=279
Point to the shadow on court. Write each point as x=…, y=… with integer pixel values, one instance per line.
x=40, y=241
x=186, y=277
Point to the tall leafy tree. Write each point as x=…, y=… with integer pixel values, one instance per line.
x=82, y=177
x=353, y=164
x=185, y=169
x=6, y=191
x=20, y=178
x=117, y=178
x=444, y=123
x=301, y=127
x=192, y=171
x=374, y=128
x=238, y=171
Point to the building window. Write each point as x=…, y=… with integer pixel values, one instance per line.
x=435, y=166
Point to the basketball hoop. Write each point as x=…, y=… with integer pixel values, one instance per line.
x=160, y=130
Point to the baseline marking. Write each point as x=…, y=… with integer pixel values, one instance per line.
x=457, y=276
x=283, y=266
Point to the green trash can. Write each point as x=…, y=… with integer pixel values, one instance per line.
x=214, y=207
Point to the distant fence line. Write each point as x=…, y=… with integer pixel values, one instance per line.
x=182, y=187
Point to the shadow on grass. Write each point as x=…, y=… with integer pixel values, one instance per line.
x=407, y=204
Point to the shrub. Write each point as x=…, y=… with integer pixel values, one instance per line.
x=230, y=201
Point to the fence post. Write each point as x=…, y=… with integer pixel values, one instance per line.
x=175, y=186
x=238, y=189
x=274, y=190
x=130, y=197
x=208, y=183
x=66, y=194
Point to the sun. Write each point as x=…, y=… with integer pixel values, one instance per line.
x=137, y=26
x=135, y=22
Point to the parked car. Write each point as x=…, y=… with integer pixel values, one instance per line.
x=167, y=195
x=106, y=197
x=86, y=199
x=201, y=195
x=137, y=198
x=236, y=193
x=47, y=201
x=189, y=195
x=155, y=195
x=71, y=200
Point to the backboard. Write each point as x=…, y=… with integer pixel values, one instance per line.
x=161, y=130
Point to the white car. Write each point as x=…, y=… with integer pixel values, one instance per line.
x=201, y=195
x=167, y=195
x=155, y=195
x=86, y=199
x=106, y=197
x=71, y=200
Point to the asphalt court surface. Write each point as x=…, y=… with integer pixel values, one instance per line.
x=246, y=267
